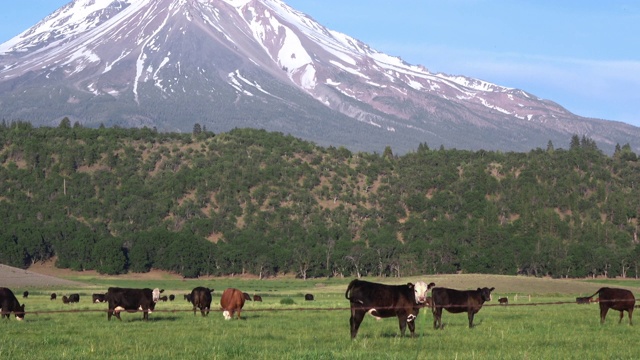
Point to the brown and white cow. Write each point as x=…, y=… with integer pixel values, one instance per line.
x=383, y=301
x=10, y=304
x=616, y=299
x=126, y=299
x=231, y=302
x=457, y=301
x=201, y=299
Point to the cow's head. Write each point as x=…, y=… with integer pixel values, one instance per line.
x=20, y=313
x=485, y=293
x=156, y=294
x=420, y=290
x=226, y=314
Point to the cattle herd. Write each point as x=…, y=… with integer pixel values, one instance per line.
x=378, y=300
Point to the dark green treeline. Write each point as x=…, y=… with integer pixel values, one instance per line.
x=249, y=201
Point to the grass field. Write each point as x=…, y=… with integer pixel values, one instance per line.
x=543, y=323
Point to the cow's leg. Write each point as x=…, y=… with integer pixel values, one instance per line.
x=357, y=315
x=437, y=317
x=603, y=312
x=621, y=316
x=412, y=327
x=630, y=312
x=471, y=314
x=194, y=310
x=109, y=314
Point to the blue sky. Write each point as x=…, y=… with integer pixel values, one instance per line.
x=584, y=55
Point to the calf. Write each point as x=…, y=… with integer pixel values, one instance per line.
x=383, y=301
x=131, y=300
x=201, y=299
x=616, y=299
x=9, y=303
x=231, y=302
x=257, y=298
x=503, y=301
x=98, y=298
x=457, y=301
x=308, y=297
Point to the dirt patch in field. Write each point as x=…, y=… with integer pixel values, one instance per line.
x=12, y=277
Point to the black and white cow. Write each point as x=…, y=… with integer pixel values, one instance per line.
x=10, y=304
x=126, y=299
x=98, y=298
x=383, y=301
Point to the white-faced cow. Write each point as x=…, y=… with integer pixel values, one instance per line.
x=10, y=304
x=125, y=299
x=616, y=299
x=383, y=301
x=457, y=301
x=231, y=302
x=201, y=299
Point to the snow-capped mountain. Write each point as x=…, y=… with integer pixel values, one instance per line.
x=259, y=63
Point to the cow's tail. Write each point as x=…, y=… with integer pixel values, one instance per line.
x=596, y=293
x=347, y=293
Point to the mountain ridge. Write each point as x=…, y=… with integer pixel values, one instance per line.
x=260, y=63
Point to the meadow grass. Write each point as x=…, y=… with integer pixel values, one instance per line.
x=550, y=326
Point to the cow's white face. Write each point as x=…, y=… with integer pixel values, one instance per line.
x=227, y=315
x=156, y=294
x=421, y=289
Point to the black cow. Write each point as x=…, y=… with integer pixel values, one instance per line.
x=53, y=296
x=246, y=296
x=457, y=301
x=308, y=297
x=130, y=300
x=616, y=299
x=172, y=297
x=74, y=298
x=257, y=298
x=25, y=294
x=201, y=299
x=9, y=303
x=188, y=297
x=583, y=300
x=383, y=301
x=98, y=298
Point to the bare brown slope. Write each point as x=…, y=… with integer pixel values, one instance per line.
x=12, y=277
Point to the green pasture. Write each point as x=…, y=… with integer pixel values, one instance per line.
x=543, y=323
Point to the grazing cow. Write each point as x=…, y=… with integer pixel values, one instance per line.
x=231, y=302
x=98, y=298
x=188, y=297
x=131, y=300
x=65, y=299
x=74, y=298
x=9, y=303
x=201, y=299
x=163, y=298
x=503, y=301
x=308, y=297
x=457, y=301
x=616, y=299
x=25, y=294
x=257, y=298
x=247, y=297
x=53, y=296
x=383, y=301
x=583, y=300
x=172, y=297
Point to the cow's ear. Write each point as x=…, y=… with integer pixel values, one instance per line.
x=162, y=290
x=492, y=289
x=479, y=289
x=410, y=285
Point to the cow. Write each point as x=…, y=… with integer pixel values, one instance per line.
x=74, y=298
x=25, y=294
x=257, y=298
x=131, y=300
x=247, y=297
x=53, y=296
x=616, y=299
x=65, y=299
x=503, y=301
x=457, y=301
x=231, y=302
x=201, y=299
x=187, y=297
x=172, y=297
x=308, y=297
x=98, y=298
x=9, y=303
x=163, y=298
x=383, y=301
x=583, y=300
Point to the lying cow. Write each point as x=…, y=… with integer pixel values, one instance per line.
x=308, y=297
x=98, y=298
x=457, y=301
x=10, y=304
x=616, y=299
x=383, y=301
x=201, y=299
x=583, y=300
x=125, y=299
x=231, y=302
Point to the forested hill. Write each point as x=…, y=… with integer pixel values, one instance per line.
x=249, y=201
